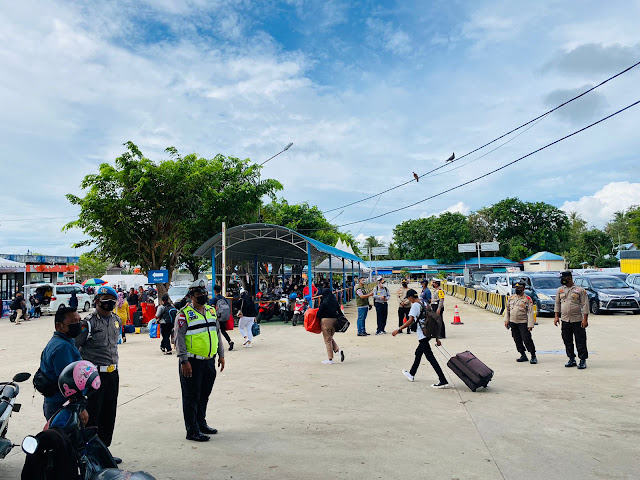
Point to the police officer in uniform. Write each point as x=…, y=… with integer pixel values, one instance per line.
x=98, y=343
x=437, y=302
x=518, y=316
x=198, y=341
x=572, y=307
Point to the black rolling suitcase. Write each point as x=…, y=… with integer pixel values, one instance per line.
x=137, y=319
x=469, y=369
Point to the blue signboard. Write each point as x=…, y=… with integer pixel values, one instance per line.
x=158, y=276
x=5, y=308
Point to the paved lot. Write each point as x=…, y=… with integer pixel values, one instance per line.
x=283, y=415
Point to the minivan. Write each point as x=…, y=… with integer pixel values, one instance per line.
x=56, y=295
x=611, y=294
x=489, y=281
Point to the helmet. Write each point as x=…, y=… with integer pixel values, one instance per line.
x=106, y=290
x=81, y=377
x=198, y=285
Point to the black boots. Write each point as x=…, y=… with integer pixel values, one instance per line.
x=582, y=365
x=523, y=358
x=571, y=363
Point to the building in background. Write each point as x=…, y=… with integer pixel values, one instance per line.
x=46, y=268
x=544, y=262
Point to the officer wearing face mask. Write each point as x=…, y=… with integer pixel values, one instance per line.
x=198, y=341
x=518, y=316
x=59, y=352
x=98, y=343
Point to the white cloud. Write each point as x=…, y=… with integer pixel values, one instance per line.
x=459, y=207
x=598, y=209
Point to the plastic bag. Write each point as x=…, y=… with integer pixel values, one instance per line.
x=311, y=322
x=154, y=330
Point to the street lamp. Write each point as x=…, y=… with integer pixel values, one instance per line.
x=289, y=145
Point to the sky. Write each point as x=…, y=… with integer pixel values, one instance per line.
x=368, y=92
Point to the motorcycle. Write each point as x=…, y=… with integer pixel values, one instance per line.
x=298, y=310
x=94, y=460
x=13, y=316
x=267, y=309
x=8, y=393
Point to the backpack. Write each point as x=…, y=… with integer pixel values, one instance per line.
x=223, y=310
x=169, y=314
x=429, y=322
x=44, y=384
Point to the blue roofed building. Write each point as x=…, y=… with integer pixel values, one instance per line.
x=544, y=262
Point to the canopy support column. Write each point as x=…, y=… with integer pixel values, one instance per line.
x=283, y=280
x=213, y=268
x=330, y=274
x=309, y=271
x=257, y=274
x=344, y=284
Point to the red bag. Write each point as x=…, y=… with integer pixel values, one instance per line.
x=229, y=324
x=311, y=322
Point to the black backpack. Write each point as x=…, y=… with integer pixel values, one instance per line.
x=430, y=322
x=169, y=314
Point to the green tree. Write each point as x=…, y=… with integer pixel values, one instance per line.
x=619, y=227
x=433, y=237
x=90, y=266
x=577, y=226
x=155, y=214
x=524, y=228
x=307, y=220
x=592, y=247
x=634, y=224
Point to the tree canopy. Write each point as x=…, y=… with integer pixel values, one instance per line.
x=155, y=214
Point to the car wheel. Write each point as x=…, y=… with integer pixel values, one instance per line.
x=294, y=320
x=636, y=312
x=593, y=307
x=87, y=306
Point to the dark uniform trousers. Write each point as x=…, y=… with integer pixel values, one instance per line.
x=382, y=311
x=223, y=331
x=434, y=307
x=196, y=391
x=569, y=330
x=402, y=313
x=425, y=348
x=522, y=338
x=101, y=406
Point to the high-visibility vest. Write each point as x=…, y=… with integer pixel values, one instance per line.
x=202, y=332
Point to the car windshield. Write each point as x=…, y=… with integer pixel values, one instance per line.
x=492, y=280
x=178, y=292
x=608, y=283
x=546, y=282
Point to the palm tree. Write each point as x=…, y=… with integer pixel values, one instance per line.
x=371, y=242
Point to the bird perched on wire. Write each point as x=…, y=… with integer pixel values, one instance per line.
x=415, y=175
x=450, y=159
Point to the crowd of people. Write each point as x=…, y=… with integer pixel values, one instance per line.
x=195, y=327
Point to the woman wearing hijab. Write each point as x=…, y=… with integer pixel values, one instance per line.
x=122, y=310
x=327, y=314
x=247, y=315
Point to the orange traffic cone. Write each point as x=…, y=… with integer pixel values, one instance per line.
x=456, y=317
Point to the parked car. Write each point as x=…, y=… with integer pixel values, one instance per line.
x=506, y=282
x=488, y=283
x=475, y=278
x=542, y=288
x=56, y=295
x=620, y=275
x=177, y=292
x=458, y=280
x=611, y=294
x=633, y=281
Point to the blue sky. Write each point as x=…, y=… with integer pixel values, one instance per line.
x=367, y=91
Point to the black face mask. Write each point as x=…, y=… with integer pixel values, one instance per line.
x=201, y=299
x=519, y=291
x=108, y=305
x=563, y=281
x=404, y=284
x=74, y=330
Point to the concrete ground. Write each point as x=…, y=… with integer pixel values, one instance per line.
x=283, y=415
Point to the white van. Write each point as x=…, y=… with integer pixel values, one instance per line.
x=488, y=283
x=56, y=295
x=506, y=282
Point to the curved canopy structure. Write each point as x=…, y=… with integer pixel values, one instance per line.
x=265, y=243
x=270, y=243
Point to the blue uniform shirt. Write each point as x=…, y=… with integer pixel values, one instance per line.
x=59, y=352
x=425, y=296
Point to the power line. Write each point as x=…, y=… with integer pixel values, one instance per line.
x=23, y=219
x=496, y=170
x=539, y=117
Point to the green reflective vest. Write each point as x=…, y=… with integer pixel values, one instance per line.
x=202, y=332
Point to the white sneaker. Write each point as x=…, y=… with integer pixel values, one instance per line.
x=440, y=385
x=327, y=362
x=408, y=375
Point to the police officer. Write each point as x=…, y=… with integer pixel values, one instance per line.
x=572, y=307
x=198, y=341
x=98, y=343
x=437, y=302
x=518, y=316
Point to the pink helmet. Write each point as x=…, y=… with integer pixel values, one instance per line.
x=80, y=377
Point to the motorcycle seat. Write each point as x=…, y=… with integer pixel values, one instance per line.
x=117, y=474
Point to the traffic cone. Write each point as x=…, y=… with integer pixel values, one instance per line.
x=456, y=317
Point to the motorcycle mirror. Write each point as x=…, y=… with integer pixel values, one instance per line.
x=29, y=445
x=21, y=377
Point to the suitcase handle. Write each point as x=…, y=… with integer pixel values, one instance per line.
x=442, y=347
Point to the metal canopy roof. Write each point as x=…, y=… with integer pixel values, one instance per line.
x=269, y=242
